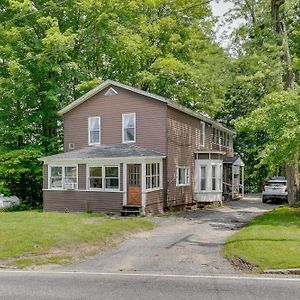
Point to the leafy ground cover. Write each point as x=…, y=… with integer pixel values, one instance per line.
x=270, y=241
x=36, y=238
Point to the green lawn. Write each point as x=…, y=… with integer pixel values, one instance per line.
x=270, y=241
x=36, y=238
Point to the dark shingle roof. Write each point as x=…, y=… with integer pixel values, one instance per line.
x=235, y=160
x=106, y=151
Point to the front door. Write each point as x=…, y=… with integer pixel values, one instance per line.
x=134, y=185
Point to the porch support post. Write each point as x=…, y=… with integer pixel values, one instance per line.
x=243, y=180
x=143, y=187
x=124, y=184
x=232, y=182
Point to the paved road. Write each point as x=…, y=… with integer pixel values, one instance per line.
x=46, y=286
x=185, y=243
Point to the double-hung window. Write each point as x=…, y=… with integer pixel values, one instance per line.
x=203, y=178
x=182, y=176
x=129, y=128
x=103, y=178
x=152, y=176
x=111, y=178
x=63, y=177
x=202, y=134
x=95, y=177
x=213, y=177
x=94, y=130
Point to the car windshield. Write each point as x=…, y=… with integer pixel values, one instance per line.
x=275, y=183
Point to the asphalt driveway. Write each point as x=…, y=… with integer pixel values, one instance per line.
x=183, y=243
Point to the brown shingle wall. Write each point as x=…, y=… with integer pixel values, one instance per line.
x=183, y=141
x=82, y=176
x=155, y=202
x=150, y=118
x=80, y=201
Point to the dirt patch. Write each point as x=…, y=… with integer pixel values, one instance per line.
x=243, y=264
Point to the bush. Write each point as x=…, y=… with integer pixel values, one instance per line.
x=21, y=175
x=16, y=207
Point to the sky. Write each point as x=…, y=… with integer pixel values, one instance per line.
x=219, y=8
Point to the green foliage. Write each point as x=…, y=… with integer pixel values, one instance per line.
x=21, y=174
x=279, y=117
x=16, y=207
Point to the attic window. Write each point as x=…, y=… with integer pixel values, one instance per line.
x=111, y=92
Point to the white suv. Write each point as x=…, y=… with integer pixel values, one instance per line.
x=275, y=189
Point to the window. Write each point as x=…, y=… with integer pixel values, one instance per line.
x=202, y=134
x=129, y=128
x=56, y=178
x=103, y=178
x=203, y=178
x=63, y=177
x=152, y=176
x=95, y=178
x=94, y=131
x=112, y=178
x=213, y=178
x=182, y=176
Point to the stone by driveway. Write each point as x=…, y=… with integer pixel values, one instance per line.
x=183, y=243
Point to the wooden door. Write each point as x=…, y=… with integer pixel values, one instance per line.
x=134, y=185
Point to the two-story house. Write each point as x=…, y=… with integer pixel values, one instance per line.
x=126, y=147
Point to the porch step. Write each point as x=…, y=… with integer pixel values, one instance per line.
x=129, y=210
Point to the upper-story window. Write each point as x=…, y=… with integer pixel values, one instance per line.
x=221, y=138
x=202, y=134
x=129, y=128
x=94, y=130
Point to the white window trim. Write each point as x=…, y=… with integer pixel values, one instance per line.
x=202, y=134
x=89, y=130
x=123, y=128
x=103, y=189
x=63, y=177
x=187, y=175
x=159, y=174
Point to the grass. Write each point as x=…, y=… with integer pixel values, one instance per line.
x=270, y=241
x=36, y=238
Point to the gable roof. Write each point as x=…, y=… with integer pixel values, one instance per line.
x=169, y=102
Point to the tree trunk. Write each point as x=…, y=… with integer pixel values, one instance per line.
x=292, y=173
x=293, y=180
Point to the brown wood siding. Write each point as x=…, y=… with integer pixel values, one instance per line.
x=150, y=120
x=45, y=176
x=155, y=202
x=82, y=177
x=183, y=141
x=82, y=201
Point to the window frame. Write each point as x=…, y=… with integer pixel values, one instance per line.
x=89, y=130
x=186, y=176
x=214, y=177
x=123, y=127
x=103, y=178
x=151, y=176
x=63, y=176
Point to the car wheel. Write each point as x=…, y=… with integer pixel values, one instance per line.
x=264, y=200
